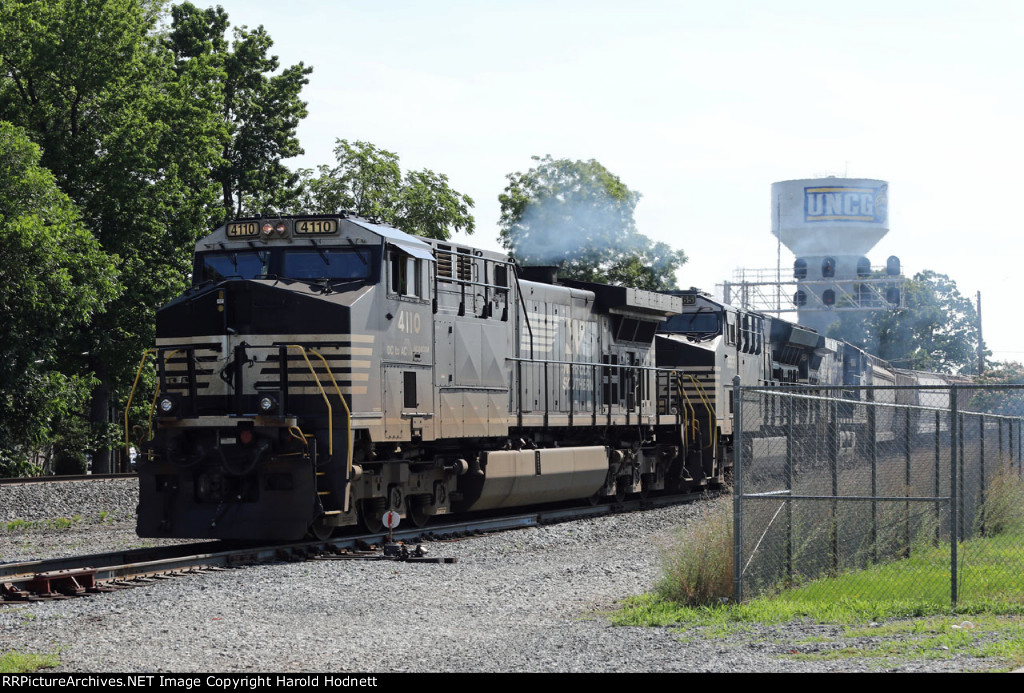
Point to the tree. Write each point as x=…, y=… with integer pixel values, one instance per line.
x=131, y=140
x=368, y=181
x=259, y=111
x=936, y=331
x=53, y=278
x=580, y=215
x=1008, y=401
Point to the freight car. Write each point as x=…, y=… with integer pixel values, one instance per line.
x=324, y=369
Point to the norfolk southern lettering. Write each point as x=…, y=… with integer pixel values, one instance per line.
x=840, y=203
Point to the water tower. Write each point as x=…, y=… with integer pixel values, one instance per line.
x=830, y=224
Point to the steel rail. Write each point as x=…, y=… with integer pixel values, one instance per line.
x=20, y=581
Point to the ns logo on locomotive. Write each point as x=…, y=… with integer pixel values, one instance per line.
x=322, y=370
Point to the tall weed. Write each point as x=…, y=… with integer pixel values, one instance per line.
x=697, y=566
x=1003, y=510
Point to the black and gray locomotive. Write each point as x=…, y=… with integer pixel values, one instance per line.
x=323, y=370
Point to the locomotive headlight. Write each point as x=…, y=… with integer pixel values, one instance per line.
x=267, y=228
x=281, y=228
x=267, y=404
x=166, y=405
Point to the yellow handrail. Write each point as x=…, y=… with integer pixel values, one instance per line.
x=710, y=407
x=323, y=393
x=685, y=401
x=330, y=414
x=316, y=379
x=128, y=407
x=348, y=412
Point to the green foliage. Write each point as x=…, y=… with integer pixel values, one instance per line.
x=132, y=118
x=368, y=181
x=259, y=111
x=1002, y=513
x=15, y=526
x=54, y=278
x=697, y=569
x=1008, y=401
x=937, y=331
x=26, y=663
x=580, y=215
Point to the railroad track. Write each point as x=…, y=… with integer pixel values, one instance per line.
x=76, y=576
x=65, y=477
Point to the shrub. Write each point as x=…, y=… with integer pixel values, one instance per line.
x=697, y=567
x=1003, y=510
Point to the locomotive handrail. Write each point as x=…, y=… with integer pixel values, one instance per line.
x=152, y=405
x=684, y=401
x=327, y=401
x=348, y=412
x=128, y=406
x=710, y=407
x=330, y=410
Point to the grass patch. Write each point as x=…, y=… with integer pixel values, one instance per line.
x=22, y=663
x=697, y=565
x=886, y=614
x=16, y=526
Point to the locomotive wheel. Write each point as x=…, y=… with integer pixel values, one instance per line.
x=416, y=510
x=371, y=512
x=646, y=482
x=620, y=489
x=320, y=530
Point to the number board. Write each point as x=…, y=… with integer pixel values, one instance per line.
x=315, y=227
x=689, y=299
x=243, y=229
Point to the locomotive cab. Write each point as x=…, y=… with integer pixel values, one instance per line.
x=260, y=365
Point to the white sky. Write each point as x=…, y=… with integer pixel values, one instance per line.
x=699, y=106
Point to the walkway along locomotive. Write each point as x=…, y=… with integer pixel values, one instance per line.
x=324, y=369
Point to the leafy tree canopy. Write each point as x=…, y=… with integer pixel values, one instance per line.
x=53, y=278
x=1009, y=401
x=937, y=331
x=131, y=136
x=579, y=215
x=368, y=181
x=259, y=110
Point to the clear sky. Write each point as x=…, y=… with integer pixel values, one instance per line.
x=699, y=106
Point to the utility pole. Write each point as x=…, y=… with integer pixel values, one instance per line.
x=981, y=341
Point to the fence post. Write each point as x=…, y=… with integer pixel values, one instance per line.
x=962, y=489
x=999, y=440
x=833, y=454
x=1009, y=439
x=954, y=417
x=938, y=474
x=737, y=501
x=981, y=471
x=906, y=488
x=873, y=456
x=790, y=403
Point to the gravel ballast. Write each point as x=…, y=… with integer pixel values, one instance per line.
x=530, y=600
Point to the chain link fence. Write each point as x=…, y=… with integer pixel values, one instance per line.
x=907, y=493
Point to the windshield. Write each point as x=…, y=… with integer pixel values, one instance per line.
x=702, y=323
x=314, y=264
x=326, y=263
x=246, y=264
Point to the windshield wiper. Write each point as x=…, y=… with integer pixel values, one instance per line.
x=323, y=255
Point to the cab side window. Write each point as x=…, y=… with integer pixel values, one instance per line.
x=406, y=275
